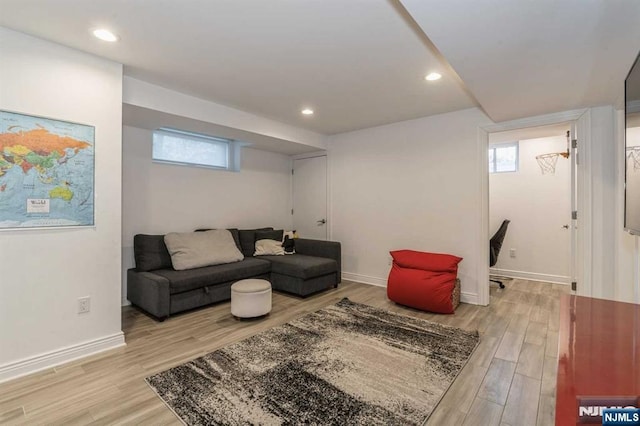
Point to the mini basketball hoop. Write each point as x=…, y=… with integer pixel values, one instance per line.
x=633, y=154
x=547, y=162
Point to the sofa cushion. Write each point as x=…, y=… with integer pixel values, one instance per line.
x=436, y=262
x=191, y=250
x=301, y=266
x=150, y=253
x=236, y=237
x=180, y=281
x=270, y=235
x=248, y=240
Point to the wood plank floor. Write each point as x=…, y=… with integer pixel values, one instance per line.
x=509, y=380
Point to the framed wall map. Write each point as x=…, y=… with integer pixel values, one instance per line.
x=46, y=172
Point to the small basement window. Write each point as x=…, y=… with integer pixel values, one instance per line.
x=503, y=157
x=192, y=149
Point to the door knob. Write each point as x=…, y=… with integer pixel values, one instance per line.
x=565, y=226
x=321, y=222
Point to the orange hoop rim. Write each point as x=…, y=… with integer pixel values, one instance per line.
x=564, y=154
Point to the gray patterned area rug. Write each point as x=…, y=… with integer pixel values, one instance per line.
x=346, y=364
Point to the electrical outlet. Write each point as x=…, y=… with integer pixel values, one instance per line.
x=84, y=304
x=512, y=252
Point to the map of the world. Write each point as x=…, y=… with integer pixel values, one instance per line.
x=46, y=172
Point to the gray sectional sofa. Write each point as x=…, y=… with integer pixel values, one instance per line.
x=155, y=287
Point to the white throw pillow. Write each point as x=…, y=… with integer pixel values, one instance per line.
x=197, y=249
x=269, y=247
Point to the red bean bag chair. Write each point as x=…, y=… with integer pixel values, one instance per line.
x=425, y=281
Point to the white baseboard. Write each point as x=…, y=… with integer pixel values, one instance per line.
x=41, y=362
x=364, y=279
x=471, y=298
x=533, y=276
x=465, y=297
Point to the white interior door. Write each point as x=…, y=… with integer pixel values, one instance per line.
x=310, y=197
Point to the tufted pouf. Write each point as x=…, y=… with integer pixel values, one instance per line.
x=250, y=298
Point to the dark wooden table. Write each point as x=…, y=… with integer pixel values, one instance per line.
x=598, y=353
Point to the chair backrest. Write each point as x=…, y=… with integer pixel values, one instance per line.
x=495, y=243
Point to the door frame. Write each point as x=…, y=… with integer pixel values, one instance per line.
x=314, y=154
x=482, y=242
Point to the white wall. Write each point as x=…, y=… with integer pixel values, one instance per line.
x=408, y=185
x=45, y=271
x=538, y=206
x=161, y=198
x=599, y=161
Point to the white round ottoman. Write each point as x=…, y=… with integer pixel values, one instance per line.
x=250, y=298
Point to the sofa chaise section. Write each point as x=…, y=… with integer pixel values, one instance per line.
x=316, y=266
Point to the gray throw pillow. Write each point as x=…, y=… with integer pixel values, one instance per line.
x=197, y=249
x=270, y=235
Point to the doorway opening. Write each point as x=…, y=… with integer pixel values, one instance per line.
x=531, y=185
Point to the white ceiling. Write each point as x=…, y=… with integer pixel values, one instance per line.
x=358, y=63
x=522, y=58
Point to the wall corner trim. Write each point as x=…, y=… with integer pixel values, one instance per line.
x=51, y=359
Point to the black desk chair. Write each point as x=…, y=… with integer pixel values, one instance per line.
x=495, y=244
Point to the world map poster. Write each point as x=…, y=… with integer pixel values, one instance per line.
x=46, y=172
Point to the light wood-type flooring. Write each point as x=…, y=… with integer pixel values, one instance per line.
x=509, y=380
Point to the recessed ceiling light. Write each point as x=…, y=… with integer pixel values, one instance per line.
x=433, y=76
x=307, y=111
x=105, y=35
